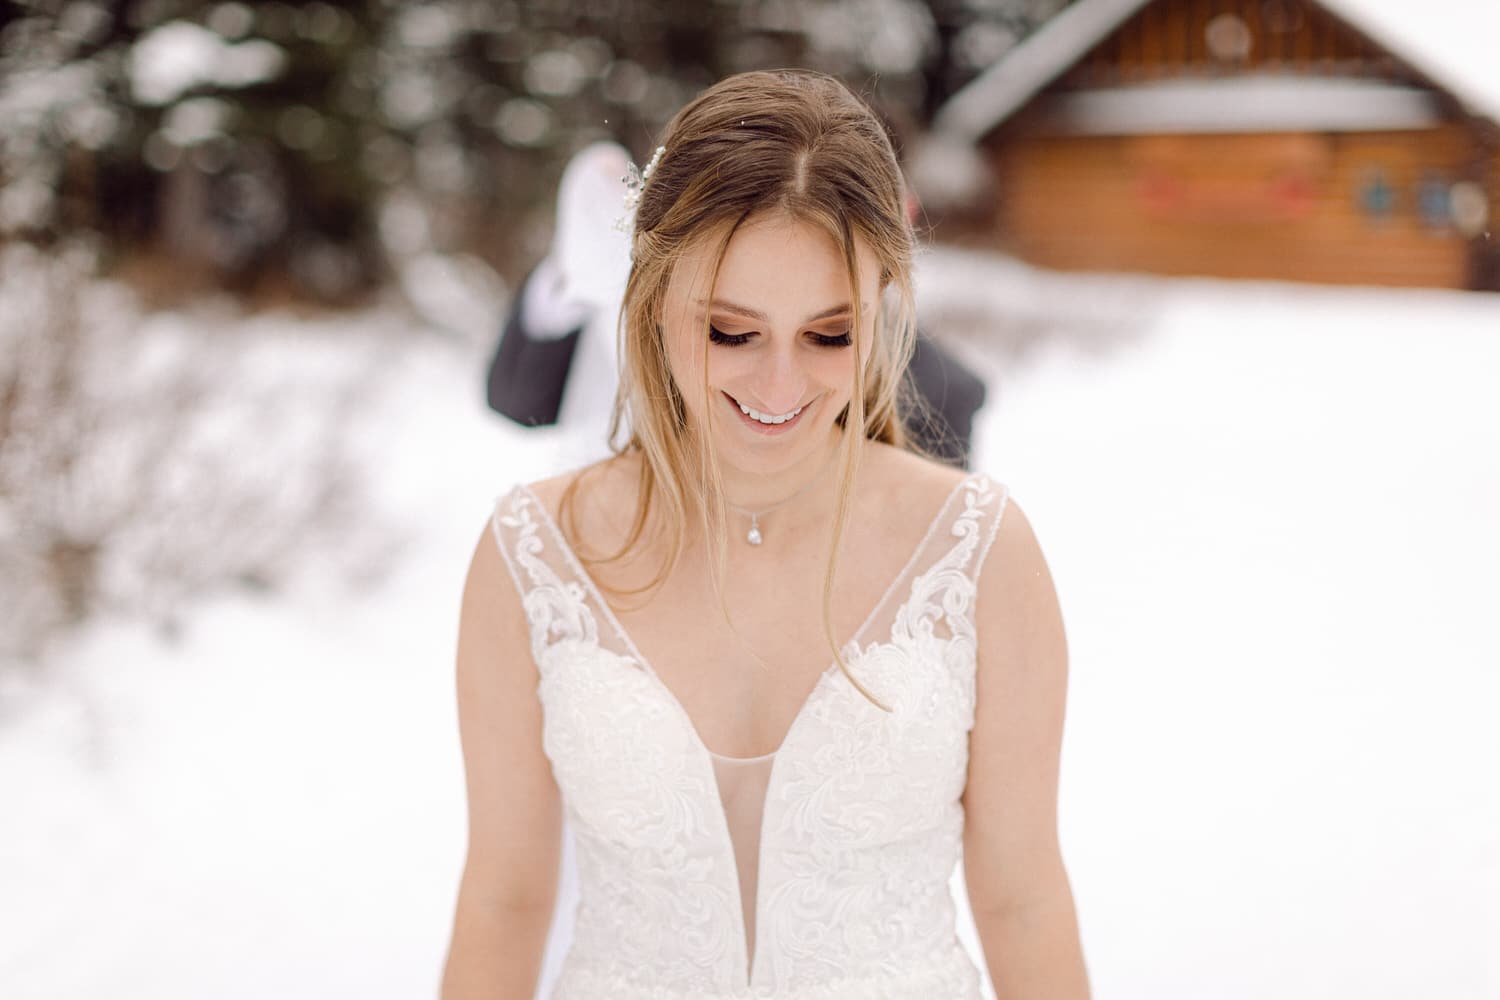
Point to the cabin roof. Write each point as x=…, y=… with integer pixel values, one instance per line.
x=1450, y=42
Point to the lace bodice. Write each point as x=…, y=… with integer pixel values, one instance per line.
x=818, y=872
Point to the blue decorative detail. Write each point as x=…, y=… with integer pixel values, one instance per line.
x=1433, y=200
x=1377, y=197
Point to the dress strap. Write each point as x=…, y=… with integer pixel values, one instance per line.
x=989, y=500
x=937, y=589
x=553, y=592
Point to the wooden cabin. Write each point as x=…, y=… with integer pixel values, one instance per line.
x=1271, y=139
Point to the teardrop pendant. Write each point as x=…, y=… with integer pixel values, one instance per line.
x=754, y=535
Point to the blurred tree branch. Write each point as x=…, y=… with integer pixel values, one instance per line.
x=251, y=145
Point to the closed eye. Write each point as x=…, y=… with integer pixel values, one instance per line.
x=718, y=336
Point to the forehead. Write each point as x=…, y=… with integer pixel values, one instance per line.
x=776, y=261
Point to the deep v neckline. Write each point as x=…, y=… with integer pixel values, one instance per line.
x=851, y=646
x=750, y=968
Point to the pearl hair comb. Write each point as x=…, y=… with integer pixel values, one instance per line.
x=635, y=182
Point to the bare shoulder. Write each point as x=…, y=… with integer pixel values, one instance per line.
x=908, y=486
x=912, y=487
x=491, y=609
x=1015, y=541
x=595, y=503
x=1015, y=580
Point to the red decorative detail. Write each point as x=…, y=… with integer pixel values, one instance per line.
x=1160, y=191
x=1166, y=196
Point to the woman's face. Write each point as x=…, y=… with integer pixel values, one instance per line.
x=779, y=356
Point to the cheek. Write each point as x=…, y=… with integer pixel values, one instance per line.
x=686, y=367
x=728, y=366
x=835, y=369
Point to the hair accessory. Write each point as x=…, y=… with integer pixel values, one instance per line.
x=753, y=536
x=635, y=182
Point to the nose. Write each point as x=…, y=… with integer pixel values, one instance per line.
x=782, y=385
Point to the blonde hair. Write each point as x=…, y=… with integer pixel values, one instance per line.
x=795, y=142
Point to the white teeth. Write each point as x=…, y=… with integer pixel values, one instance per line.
x=762, y=418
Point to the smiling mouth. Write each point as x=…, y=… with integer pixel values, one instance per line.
x=766, y=421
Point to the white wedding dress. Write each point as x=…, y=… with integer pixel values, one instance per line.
x=818, y=872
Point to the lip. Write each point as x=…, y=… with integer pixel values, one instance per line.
x=769, y=430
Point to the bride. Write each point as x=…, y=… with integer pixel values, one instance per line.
x=777, y=669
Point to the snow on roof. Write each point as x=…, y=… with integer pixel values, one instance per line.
x=1449, y=41
x=999, y=91
x=1250, y=103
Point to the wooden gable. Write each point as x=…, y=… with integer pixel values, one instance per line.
x=1175, y=38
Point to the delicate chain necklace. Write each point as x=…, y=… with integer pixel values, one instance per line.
x=753, y=536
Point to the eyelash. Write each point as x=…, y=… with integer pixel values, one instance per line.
x=718, y=336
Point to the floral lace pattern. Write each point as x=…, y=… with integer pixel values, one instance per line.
x=862, y=825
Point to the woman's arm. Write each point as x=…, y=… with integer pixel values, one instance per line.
x=509, y=885
x=1018, y=887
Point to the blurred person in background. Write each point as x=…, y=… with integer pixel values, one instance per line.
x=556, y=361
x=650, y=644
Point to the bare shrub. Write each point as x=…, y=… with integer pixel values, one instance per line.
x=146, y=459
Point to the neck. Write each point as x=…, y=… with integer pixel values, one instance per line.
x=759, y=489
x=785, y=502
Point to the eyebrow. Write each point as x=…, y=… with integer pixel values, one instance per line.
x=739, y=310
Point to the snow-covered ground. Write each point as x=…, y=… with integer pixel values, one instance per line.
x=1273, y=515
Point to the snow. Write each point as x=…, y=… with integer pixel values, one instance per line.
x=1269, y=511
x=1450, y=41
x=1271, y=515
